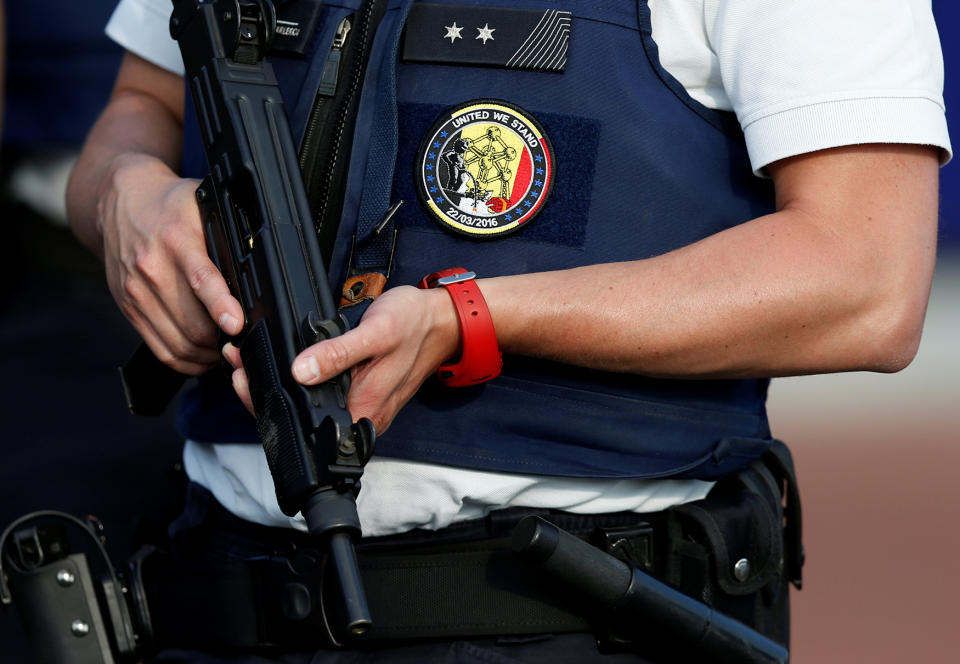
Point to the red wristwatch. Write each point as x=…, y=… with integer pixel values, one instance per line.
x=480, y=358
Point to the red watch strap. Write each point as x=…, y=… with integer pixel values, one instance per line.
x=480, y=358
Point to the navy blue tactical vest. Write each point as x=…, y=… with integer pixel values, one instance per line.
x=637, y=169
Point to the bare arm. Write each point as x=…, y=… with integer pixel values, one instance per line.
x=127, y=204
x=837, y=279
x=143, y=120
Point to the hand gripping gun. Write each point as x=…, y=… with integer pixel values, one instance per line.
x=260, y=234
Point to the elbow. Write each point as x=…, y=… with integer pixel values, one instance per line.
x=896, y=336
x=894, y=294
x=897, y=354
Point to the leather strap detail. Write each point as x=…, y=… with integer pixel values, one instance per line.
x=362, y=287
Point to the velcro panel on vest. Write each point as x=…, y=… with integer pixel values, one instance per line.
x=569, y=204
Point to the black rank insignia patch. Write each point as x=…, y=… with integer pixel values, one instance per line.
x=485, y=168
x=509, y=37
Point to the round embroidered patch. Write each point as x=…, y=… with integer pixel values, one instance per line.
x=485, y=168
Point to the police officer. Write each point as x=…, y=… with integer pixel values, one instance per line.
x=641, y=277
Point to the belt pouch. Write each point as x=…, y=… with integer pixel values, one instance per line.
x=727, y=551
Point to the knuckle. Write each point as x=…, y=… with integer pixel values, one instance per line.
x=380, y=422
x=131, y=313
x=166, y=357
x=337, y=356
x=103, y=204
x=170, y=236
x=199, y=332
x=239, y=378
x=146, y=264
x=185, y=350
x=130, y=290
x=384, y=331
x=129, y=309
x=202, y=276
x=181, y=348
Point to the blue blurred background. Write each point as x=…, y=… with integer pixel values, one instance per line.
x=947, y=13
x=876, y=454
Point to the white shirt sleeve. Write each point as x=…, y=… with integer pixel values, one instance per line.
x=800, y=76
x=141, y=27
x=804, y=76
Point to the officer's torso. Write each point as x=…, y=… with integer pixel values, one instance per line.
x=532, y=139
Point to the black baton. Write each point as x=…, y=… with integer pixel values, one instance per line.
x=708, y=634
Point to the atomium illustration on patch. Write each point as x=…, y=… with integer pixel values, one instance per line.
x=485, y=168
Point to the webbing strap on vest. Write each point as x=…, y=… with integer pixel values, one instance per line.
x=375, y=243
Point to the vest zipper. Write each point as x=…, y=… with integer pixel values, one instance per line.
x=327, y=139
x=331, y=68
x=327, y=89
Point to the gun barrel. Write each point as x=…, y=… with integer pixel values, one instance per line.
x=344, y=560
x=333, y=516
x=711, y=635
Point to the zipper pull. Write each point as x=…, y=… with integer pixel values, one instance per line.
x=331, y=68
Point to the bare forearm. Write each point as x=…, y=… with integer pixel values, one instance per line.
x=798, y=291
x=128, y=205
x=701, y=311
x=837, y=279
x=136, y=123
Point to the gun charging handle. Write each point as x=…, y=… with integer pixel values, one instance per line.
x=636, y=595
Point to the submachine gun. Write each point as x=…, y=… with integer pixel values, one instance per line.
x=261, y=236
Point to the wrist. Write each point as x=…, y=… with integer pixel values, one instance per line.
x=478, y=357
x=131, y=171
x=444, y=324
x=122, y=173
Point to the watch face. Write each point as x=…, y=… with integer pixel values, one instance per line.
x=485, y=168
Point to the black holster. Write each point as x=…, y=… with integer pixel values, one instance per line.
x=737, y=550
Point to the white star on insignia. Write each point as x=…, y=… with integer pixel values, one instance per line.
x=486, y=32
x=453, y=32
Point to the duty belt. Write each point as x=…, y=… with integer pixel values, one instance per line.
x=460, y=587
x=465, y=581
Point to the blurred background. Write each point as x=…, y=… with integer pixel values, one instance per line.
x=876, y=455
